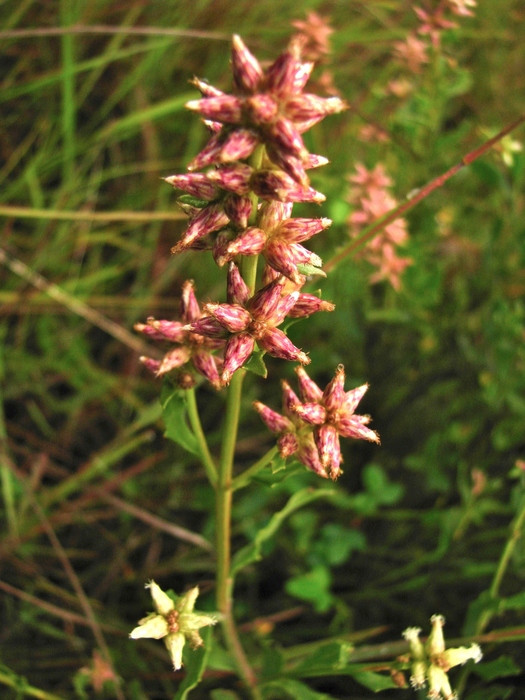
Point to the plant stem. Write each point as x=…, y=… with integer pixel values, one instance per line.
x=372, y=230
x=195, y=422
x=223, y=506
x=244, y=479
x=516, y=532
x=224, y=490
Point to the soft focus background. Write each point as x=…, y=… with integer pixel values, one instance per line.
x=90, y=488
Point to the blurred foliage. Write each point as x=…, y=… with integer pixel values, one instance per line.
x=90, y=123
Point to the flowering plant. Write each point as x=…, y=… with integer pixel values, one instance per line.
x=238, y=196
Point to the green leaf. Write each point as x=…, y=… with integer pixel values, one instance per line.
x=272, y=663
x=513, y=602
x=290, y=689
x=310, y=270
x=173, y=402
x=380, y=487
x=374, y=681
x=223, y=695
x=499, y=668
x=492, y=692
x=220, y=659
x=331, y=659
x=335, y=544
x=325, y=660
x=194, y=664
x=313, y=587
x=252, y=552
x=192, y=201
x=256, y=364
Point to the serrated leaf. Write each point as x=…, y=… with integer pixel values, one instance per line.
x=194, y=664
x=252, y=552
x=290, y=689
x=174, y=412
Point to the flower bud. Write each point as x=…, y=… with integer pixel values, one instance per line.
x=247, y=72
x=196, y=184
x=224, y=108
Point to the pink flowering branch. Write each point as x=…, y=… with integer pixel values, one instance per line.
x=421, y=194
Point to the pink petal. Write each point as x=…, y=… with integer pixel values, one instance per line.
x=247, y=72
x=334, y=394
x=308, y=389
x=352, y=399
x=233, y=317
x=312, y=413
x=238, y=349
x=277, y=344
x=274, y=421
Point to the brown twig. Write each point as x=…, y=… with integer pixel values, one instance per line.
x=107, y=29
x=73, y=579
x=421, y=194
x=136, y=216
x=66, y=615
x=155, y=522
x=76, y=306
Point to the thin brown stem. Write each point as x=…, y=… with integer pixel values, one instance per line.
x=76, y=306
x=107, y=29
x=421, y=194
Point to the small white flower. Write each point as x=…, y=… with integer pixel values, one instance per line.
x=174, y=622
x=430, y=662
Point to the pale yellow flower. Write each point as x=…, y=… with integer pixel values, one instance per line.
x=174, y=622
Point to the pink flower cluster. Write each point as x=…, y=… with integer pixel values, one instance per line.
x=432, y=22
x=311, y=425
x=239, y=195
x=371, y=200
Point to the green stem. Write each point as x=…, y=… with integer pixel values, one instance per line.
x=516, y=532
x=223, y=530
x=195, y=422
x=224, y=489
x=244, y=479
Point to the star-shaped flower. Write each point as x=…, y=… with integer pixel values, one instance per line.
x=250, y=320
x=332, y=413
x=310, y=430
x=174, y=622
x=192, y=347
x=430, y=662
x=268, y=107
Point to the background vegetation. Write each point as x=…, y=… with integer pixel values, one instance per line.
x=95, y=501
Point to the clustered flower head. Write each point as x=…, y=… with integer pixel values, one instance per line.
x=430, y=662
x=371, y=199
x=174, y=622
x=238, y=196
x=191, y=347
x=310, y=427
x=413, y=52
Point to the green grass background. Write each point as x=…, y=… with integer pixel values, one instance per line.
x=90, y=123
